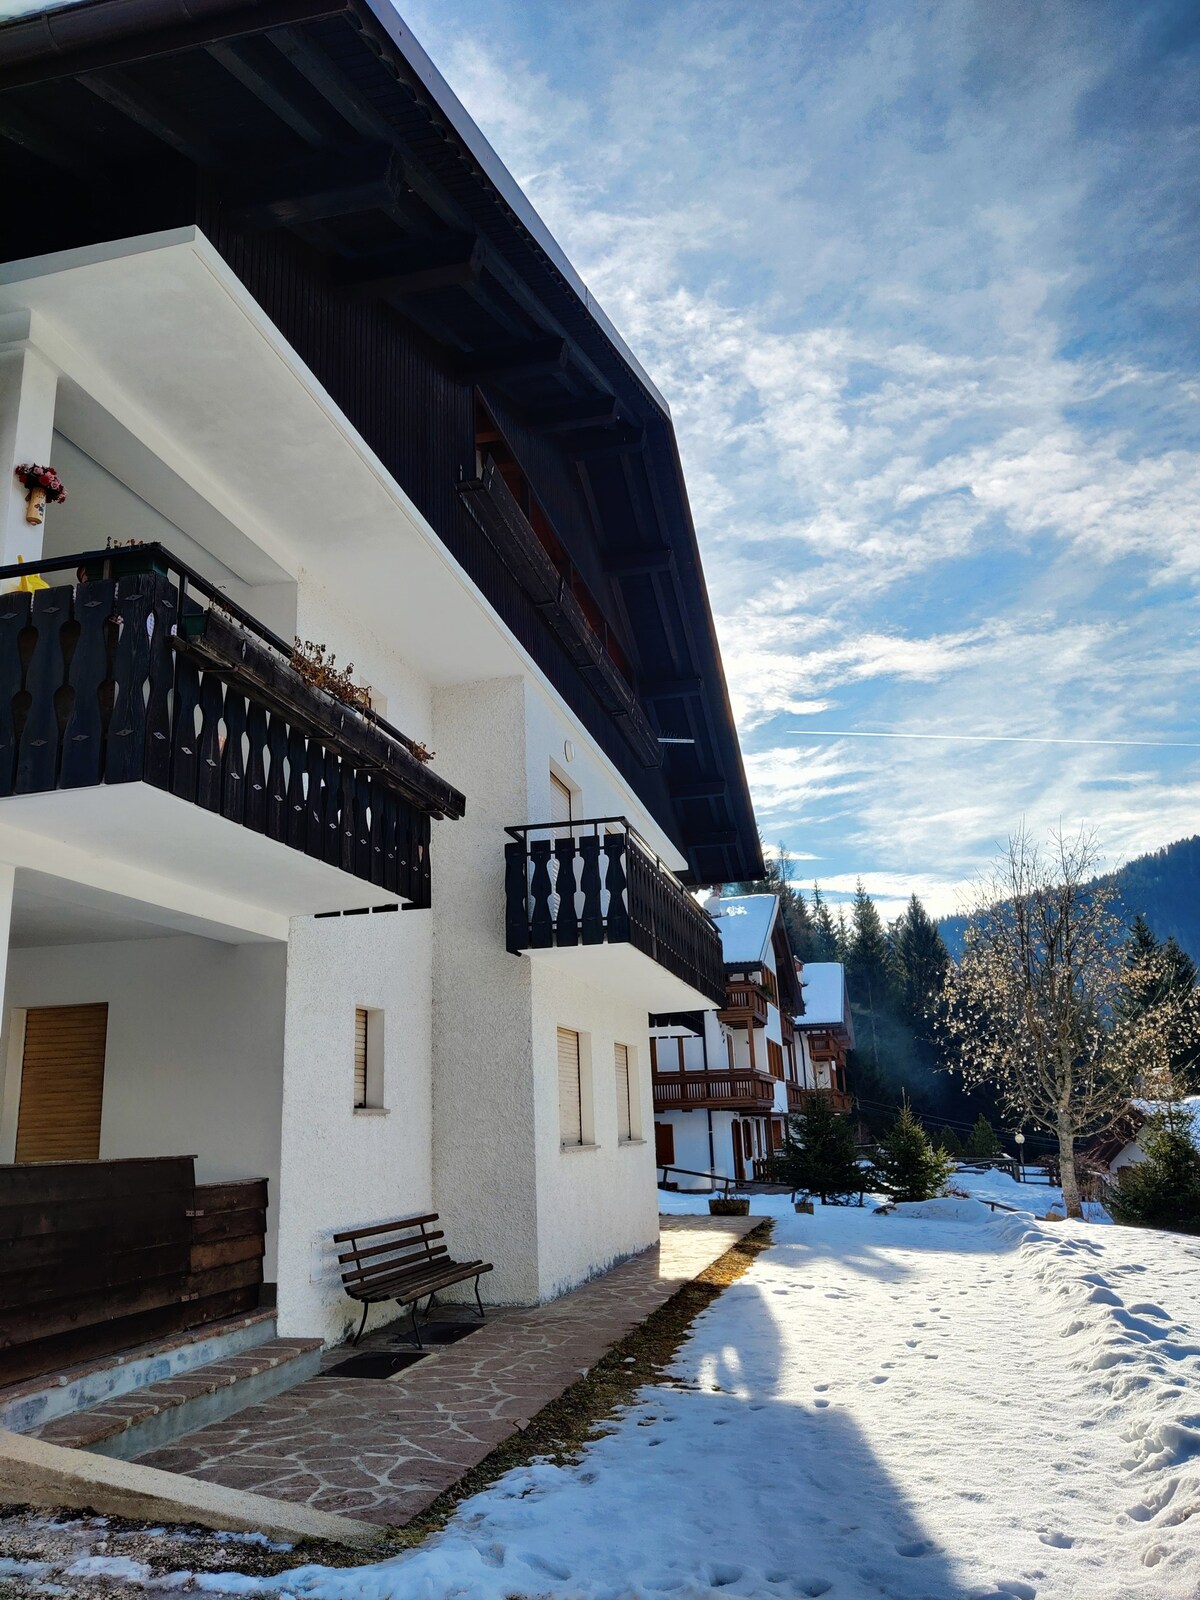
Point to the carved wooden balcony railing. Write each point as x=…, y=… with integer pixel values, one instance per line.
x=711, y=1090
x=493, y=507
x=799, y=1099
x=825, y=1046
x=598, y=882
x=745, y=1006
x=141, y=671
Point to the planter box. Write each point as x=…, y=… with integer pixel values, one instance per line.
x=806, y=1206
x=728, y=1208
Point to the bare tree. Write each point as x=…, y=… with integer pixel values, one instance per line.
x=1036, y=1007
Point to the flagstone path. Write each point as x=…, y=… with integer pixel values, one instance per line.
x=384, y=1449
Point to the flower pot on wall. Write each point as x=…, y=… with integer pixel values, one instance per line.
x=35, y=505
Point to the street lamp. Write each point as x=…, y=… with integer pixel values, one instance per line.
x=1020, y=1142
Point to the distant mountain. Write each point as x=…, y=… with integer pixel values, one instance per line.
x=1164, y=887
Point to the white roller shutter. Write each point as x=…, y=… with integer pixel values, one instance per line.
x=360, y=1057
x=624, y=1116
x=570, y=1104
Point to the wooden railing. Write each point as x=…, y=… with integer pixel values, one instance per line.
x=745, y=1006
x=713, y=1090
x=97, y=1256
x=598, y=882
x=799, y=1099
x=141, y=671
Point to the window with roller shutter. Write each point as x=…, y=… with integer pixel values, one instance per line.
x=624, y=1107
x=570, y=1089
x=62, y=1083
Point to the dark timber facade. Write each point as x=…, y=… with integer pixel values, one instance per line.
x=333, y=170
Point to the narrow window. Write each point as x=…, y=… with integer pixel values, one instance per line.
x=368, y=1059
x=360, y=1058
x=560, y=804
x=624, y=1113
x=570, y=1091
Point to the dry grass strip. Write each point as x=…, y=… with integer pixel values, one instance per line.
x=560, y=1430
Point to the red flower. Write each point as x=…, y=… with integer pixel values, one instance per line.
x=35, y=477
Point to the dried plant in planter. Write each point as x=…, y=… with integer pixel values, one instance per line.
x=317, y=666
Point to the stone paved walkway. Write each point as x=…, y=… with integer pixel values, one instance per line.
x=383, y=1450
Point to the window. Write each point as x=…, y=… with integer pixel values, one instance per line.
x=624, y=1111
x=368, y=1059
x=570, y=1088
x=560, y=803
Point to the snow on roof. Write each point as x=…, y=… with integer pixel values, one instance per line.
x=824, y=994
x=745, y=923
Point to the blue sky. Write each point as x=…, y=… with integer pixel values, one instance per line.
x=920, y=285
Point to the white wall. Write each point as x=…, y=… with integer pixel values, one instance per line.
x=194, y=1056
x=596, y=1204
x=339, y=1167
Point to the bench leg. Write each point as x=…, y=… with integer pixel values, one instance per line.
x=478, y=1301
x=362, y=1324
x=415, y=1329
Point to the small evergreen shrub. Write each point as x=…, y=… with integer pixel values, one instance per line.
x=906, y=1165
x=821, y=1157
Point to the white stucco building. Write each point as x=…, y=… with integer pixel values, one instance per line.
x=311, y=368
x=825, y=1033
x=725, y=1079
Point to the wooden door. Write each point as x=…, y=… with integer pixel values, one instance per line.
x=62, y=1083
x=664, y=1144
x=739, y=1166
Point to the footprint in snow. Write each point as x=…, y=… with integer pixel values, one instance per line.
x=1145, y=1308
x=820, y=1387
x=812, y=1587
x=1017, y=1588
x=492, y=1555
x=912, y=1343
x=720, y=1576
x=1057, y=1541
x=913, y=1548
x=880, y=1377
x=552, y=1569
x=821, y=1405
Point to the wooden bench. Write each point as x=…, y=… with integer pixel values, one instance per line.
x=401, y=1261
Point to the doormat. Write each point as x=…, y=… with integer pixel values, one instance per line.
x=447, y=1332
x=374, y=1364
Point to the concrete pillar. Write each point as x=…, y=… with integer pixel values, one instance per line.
x=28, y=387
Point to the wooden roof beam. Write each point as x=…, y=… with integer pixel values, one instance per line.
x=698, y=788
x=336, y=184
x=152, y=115
x=573, y=416
x=264, y=80
x=537, y=358
x=671, y=688
x=630, y=563
x=457, y=260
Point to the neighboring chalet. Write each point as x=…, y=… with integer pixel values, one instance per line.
x=826, y=1030
x=726, y=1079
x=311, y=368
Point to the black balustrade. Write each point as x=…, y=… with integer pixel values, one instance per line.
x=598, y=882
x=140, y=671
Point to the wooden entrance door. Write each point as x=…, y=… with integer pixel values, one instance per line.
x=62, y=1083
x=739, y=1165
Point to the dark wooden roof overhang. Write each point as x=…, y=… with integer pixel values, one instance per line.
x=328, y=121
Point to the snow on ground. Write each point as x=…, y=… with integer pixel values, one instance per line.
x=917, y=1407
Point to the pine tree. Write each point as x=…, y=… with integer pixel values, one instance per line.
x=825, y=942
x=949, y=1141
x=982, y=1140
x=921, y=959
x=1160, y=977
x=822, y=1158
x=1164, y=1189
x=906, y=1165
x=868, y=964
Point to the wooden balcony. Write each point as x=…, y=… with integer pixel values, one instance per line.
x=745, y=1006
x=738, y=1090
x=597, y=882
x=139, y=671
x=826, y=1047
x=799, y=1099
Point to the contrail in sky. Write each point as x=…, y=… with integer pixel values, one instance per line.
x=994, y=738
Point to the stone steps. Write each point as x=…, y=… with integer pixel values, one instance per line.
x=147, y=1418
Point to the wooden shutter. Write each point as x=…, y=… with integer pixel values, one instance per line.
x=360, y=1056
x=624, y=1115
x=570, y=1102
x=62, y=1084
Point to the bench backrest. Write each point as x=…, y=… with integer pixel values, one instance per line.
x=407, y=1247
